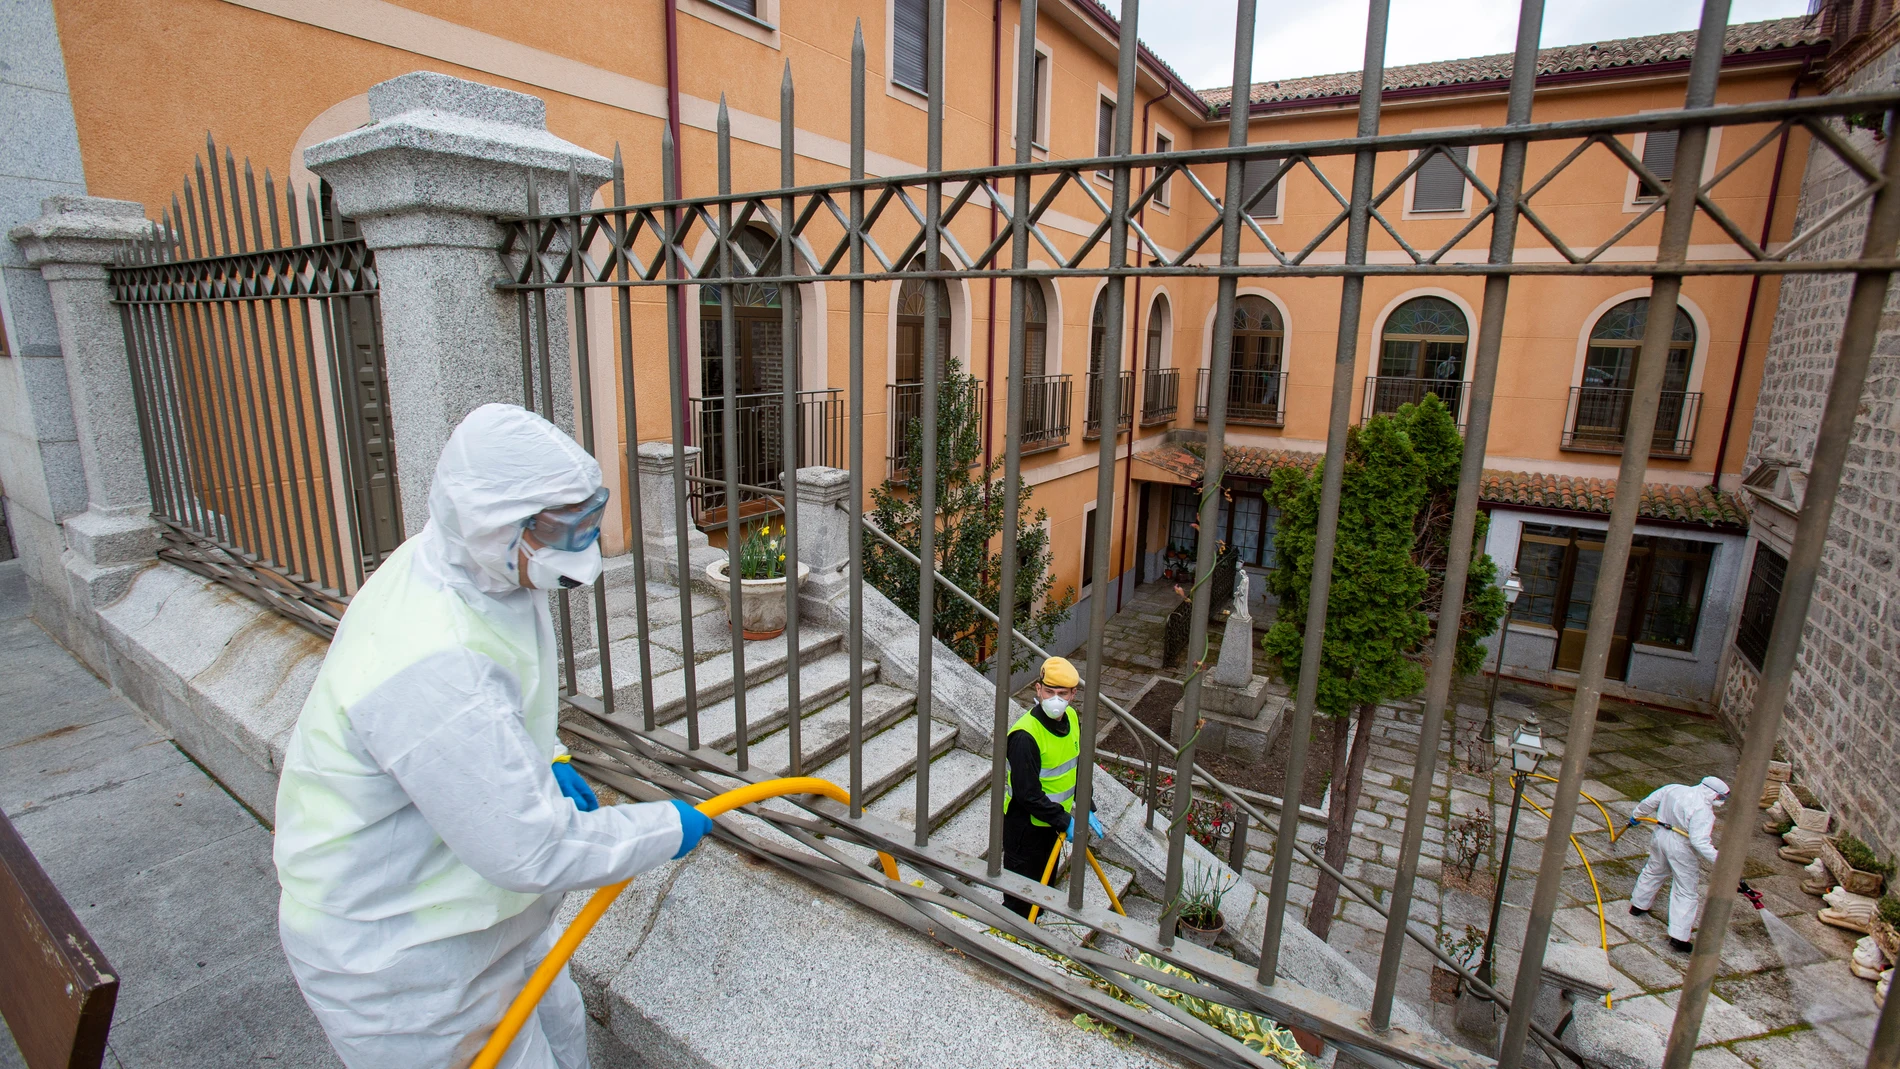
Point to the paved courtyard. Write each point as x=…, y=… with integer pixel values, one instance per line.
x=1784, y=998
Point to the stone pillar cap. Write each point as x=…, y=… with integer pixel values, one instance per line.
x=77, y=229
x=447, y=144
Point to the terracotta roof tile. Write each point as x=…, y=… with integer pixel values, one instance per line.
x=1741, y=39
x=1669, y=502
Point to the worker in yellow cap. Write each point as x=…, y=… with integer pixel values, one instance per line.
x=1045, y=746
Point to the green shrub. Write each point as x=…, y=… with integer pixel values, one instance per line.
x=1889, y=908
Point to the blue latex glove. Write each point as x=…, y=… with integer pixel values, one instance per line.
x=1095, y=827
x=1631, y=824
x=575, y=787
x=693, y=825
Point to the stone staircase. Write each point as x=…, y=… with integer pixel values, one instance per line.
x=959, y=776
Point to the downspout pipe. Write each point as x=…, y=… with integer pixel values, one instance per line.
x=1137, y=339
x=679, y=148
x=989, y=358
x=1754, y=293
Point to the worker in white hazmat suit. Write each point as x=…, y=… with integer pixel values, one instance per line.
x=423, y=837
x=1685, y=819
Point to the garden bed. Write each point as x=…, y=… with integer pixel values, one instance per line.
x=1155, y=709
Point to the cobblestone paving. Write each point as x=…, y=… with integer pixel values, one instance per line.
x=1783, y=999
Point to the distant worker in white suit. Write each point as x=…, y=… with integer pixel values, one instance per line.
x=427, y=819
x=1684, y=815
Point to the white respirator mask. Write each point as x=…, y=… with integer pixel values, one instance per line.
x=554, y=569
x=1055, y=706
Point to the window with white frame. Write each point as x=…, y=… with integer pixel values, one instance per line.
x=743, y=7
x=910, y=44
x=1439, y=183
x=1163, y=144
x=1255, y=176
x=1039, y=94
x=1104, y=132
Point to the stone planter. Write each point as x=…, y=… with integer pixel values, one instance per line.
x=1203, y=936
x=1799, y=805
x=1858, y=881
x=761, y=601
x=1780, y=771
x=1886, y=938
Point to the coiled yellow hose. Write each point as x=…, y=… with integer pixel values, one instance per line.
x=570, y=941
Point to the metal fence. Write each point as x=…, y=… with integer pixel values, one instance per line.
x=757, y=453
x=864, y=230
x=1598, y=415
x=257, y=367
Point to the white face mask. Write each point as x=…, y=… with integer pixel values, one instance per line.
x=552, y=569
x=1054, y=706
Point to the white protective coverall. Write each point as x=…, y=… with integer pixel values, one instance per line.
x=1689, y=811
x=422, y=843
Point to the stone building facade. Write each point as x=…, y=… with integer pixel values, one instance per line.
x=1843, y=713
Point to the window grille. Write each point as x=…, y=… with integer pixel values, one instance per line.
x=1758, y=608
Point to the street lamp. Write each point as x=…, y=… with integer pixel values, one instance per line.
x=1527, y=751
x=1512, y=588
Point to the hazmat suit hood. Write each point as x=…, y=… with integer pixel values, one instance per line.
x=1717, y=791
x=502, y=465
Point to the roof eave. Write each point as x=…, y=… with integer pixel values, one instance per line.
x=1764, y=57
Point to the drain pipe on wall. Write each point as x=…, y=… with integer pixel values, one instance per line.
x=677, y=293
x=1138, y=338
x=1754, y=293
x=989, y=359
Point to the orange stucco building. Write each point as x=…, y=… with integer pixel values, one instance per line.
x=271, y=77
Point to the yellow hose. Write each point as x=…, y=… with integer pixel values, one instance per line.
x=570, y=941
x=1603, y=928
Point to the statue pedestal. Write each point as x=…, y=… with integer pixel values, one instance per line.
x=1241, y=703
x=1241, y=722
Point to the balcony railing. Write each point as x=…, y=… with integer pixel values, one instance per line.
x=1160, y=395
x=1092, y=419
x=1599, y=414
x=907, y=407
x=1255, y=397
x=1046, y=401
x=758, y=458
x=1385, y=394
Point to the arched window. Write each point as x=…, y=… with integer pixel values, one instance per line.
x=759, y=345
x=1258, y=334
x=1600, y=405
x=1098, y=342
x=1422, y=351
x=1256, y=377
x=1617, y=338
x=1035, y=330
x=1158, y=324
x=1098, y=331
x=910, y=328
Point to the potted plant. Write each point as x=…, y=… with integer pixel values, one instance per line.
x=1199, y=904
x=1853, y=865
x=761, y=583
x=1887, y=925
x=1804, y=809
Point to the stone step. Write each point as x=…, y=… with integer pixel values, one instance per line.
x=826, y=734
x=890, y=756
x=663, y=612
x=820, y=682
x=712, y=678
x=956, y=779
x=625, y=657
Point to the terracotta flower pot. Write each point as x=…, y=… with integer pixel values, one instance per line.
x=761, y=601
x=1203, y=936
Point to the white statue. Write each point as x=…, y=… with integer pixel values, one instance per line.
x=1235, y=667
x=1241, y=610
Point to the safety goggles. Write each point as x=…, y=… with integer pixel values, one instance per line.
x=570, y=528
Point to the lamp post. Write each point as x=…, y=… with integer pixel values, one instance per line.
x=1527, y=750
x=1512, y=588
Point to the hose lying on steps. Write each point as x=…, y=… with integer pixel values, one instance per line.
x=590, y=914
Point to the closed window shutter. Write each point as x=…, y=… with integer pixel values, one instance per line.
x=1254, y=174
x=1105, y=128
x=1659, y=155
x=1163, y=143
x=910, y=37
x=1439, y=186
x=749, y=7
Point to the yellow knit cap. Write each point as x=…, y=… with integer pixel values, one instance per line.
x=1058, y=672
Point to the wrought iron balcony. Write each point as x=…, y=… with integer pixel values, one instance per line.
x=1046, y=402
x=1255, y=397
x=1092, y=419
x=1599, y=414
x=1385, y=393
x=907, y=407
x=1160, y=395
x=758, y=455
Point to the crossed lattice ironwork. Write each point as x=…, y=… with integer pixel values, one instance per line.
x=594, y=246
